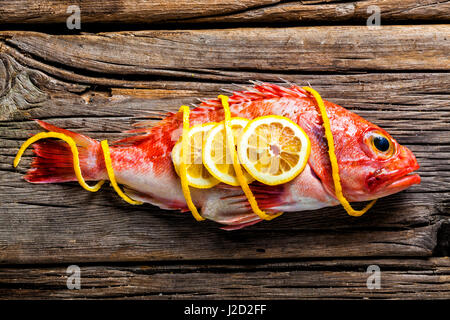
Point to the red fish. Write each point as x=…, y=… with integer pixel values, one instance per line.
x=371, y=163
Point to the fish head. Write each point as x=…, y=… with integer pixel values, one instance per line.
x=372, y=164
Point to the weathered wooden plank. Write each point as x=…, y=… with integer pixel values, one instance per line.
x=212, y=54
x=224, y=11
x=47, y=77
x=399, y=279
x=53, y=230
x=335, y=12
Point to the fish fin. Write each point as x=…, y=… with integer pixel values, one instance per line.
x=149, y=131
x=155, y=118
x=148, y=198
x=131, y=141
x=240, y=225
x=54, y=159
x=235, y=211
x=136, y=195
x=146, y=130
x=80, y=139
x=234, y=215
x=259, y=91
x=266, y=196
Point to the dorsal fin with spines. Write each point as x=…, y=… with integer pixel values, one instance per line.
x=259, y=91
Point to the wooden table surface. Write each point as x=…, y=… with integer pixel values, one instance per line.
x=132, y=60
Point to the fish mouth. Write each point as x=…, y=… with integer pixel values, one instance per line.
x=405, y=181
x=393, y=181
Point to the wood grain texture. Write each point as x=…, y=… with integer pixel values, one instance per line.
x=216, y=54
x=225, y=11
x=100, y=84
x=400, y=279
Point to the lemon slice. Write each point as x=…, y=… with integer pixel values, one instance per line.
x=217, y=158
x=273, y=149
x=197, y=175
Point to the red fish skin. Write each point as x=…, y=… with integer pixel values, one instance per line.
x=155, y=158
x=143, y=163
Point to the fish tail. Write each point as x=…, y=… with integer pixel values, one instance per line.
x=54, y=159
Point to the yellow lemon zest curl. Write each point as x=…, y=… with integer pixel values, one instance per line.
x=334, y=163
x=183, y=168
x=236, y=165
x=73, y=148
x=76, y=162
x=112, y=177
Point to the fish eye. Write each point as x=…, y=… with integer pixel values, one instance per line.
x=381, y=145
